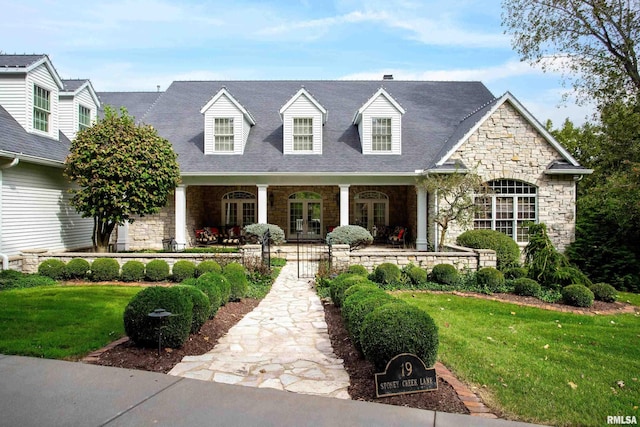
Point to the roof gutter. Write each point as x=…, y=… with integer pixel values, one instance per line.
x=33, y=159
x=11, y=164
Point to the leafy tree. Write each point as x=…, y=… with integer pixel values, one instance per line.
x=455, y=193
x=122, y=170
x=595, y=41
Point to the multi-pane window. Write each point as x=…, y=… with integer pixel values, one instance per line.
x=239, y=208
x=371, y=210
x=41, y=108
x=508, y=207
x=381, y=134
x=303, y=134
x=223, y=130
x=84, y=117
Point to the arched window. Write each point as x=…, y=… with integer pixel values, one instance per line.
x=238, y=208
x=371, y=209
x=507, y=208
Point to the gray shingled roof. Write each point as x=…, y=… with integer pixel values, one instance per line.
x=137, y=103
x=72, y=85
x=434, y=110
x=19, y=61
x=14, y=139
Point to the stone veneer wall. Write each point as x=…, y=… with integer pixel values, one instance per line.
x=147, y=232
x=507, y=146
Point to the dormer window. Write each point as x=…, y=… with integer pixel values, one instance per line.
x=223, y=130
x=84, y=117
x=303, y=134
x=381, y=134
x=41, y=108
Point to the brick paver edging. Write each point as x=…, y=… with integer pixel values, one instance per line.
x=469, y=399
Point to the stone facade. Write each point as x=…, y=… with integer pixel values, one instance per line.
x=507, y=146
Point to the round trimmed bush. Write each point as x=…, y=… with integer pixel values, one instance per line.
x=490, y=279
x=357, y=306
x=77, y=268
x=396, y=328
x=143, y=330
x=507, y=250
x=416, y=274
x=445, y=274
x=358, y=269
x=257, y=231
x=132, y=271
x=386, y=273
x=341, y=283
x=361, y=286
x=103, y=269
x=237, y=277
x=208, y=266
x=201, y=306
x=183, y=269
x=526, y=287
x=220, y=282
x=157, y=270
x=352, y=235
x=210, y=287
x=604, y=292
x=514, y=273
x=52, y=268
x=577, y=296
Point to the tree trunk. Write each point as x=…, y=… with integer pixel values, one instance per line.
x=443, y=235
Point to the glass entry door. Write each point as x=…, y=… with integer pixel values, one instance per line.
x=371, y=210
x=305, y=216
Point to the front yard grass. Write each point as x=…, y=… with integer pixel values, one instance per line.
x=538, y=365
x=62, y=322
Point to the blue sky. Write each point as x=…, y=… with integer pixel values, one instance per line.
x=135, y=45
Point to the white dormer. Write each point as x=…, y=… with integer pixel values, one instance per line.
x=29, y=89
x=79, y=106
x=379, y=123
x=226, y=124
x=302, y=120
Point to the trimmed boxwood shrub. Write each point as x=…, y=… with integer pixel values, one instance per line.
x=341, y=283
x=490, y=279
x=604, y=292
x=515, y=273
x=219, y=281
x=507, y=250
x=445, y=274
x=77, y=268
x=132, y=271
x=396, y=328
x=103, y=269
x=143, y=330
x=526, y=287
x=201, y=306
x=157, y=270
x=386, y=273
x=358, y=269
x=208, y=266
x=352, y=235
x=416, y=274
x=210, y=287
x=257, y=231
x=357, y=306
x=577, y=296
x=361, y=286
x=183, y=269
x=237, y=277
x=52, y=268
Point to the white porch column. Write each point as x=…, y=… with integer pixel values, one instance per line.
x=422, y=244
x=344, y=205
x=181, y=216
x=262, y=203
x=122, y=244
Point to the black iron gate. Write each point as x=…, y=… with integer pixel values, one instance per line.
x=312, y=255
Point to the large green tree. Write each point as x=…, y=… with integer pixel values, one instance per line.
x=594, y=42
x=122, y=170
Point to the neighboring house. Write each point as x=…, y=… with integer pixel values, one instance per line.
x=39, y=114
x=318, y=154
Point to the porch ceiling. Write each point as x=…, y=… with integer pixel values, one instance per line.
x=297, y=179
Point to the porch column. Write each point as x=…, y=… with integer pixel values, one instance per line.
x=181, y=216
x=262, y=203
x=422, y=244
x=344, y=205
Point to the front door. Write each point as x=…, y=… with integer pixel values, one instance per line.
x=305, y=216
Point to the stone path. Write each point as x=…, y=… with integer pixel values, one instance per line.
x=282, y=344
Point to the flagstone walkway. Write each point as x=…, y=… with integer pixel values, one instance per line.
x=282, y=344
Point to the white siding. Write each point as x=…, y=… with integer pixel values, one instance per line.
x=35, y=211
x=40, y=76
x=302, y=107
x=12, y=97
x=69, y=116
x=224, y=108
x=381, y=108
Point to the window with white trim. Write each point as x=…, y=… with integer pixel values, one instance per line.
x=41, y=108
x=302, y=134
x=238, y=208
x=508, y=207
x=223, y=131
x=84, y=117
x=381, y=134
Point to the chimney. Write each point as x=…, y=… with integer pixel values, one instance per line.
x=158, y=86
x=387, y=77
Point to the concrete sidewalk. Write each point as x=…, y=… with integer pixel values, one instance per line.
x=42, y=392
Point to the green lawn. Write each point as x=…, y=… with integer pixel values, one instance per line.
x=61, y=322
x=538, y=365
x=629, y=298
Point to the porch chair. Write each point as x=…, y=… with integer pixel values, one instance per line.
x=234, y=236
x=398, y=237
x=207, y=235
